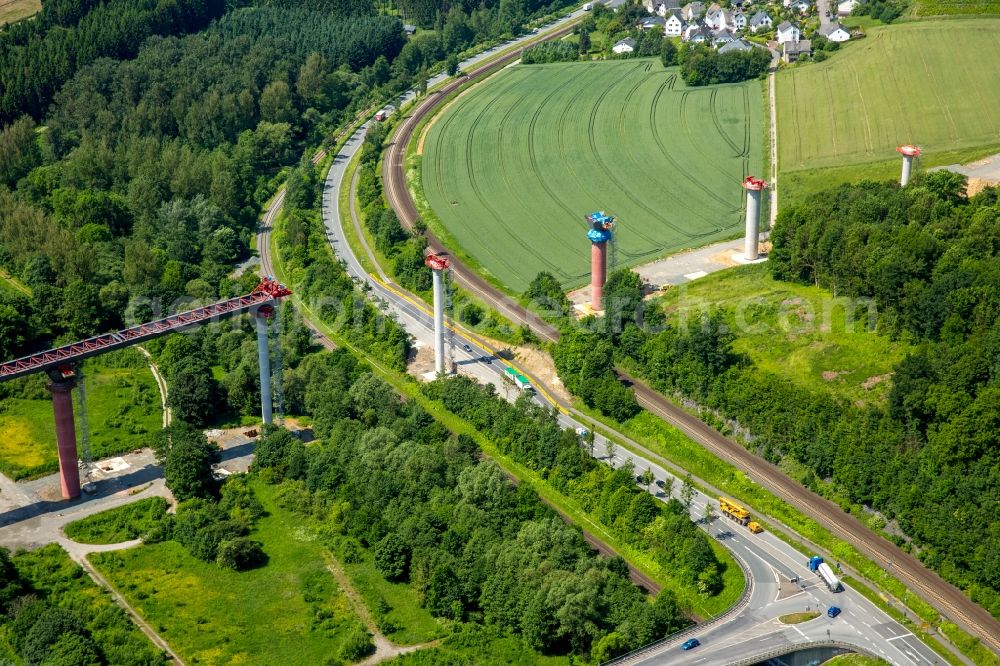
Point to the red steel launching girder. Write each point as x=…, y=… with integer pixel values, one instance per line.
x=266, y=293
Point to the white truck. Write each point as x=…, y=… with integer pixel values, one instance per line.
x=830, y=578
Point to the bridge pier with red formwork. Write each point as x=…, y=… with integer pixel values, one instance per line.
x=438, y=263
x=61, y=363
x=751, y=243
x=908, y=153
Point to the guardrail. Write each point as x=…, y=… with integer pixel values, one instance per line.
x=788, y=649
x=733, y=610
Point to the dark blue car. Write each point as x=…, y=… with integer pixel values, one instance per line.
x=690, y=644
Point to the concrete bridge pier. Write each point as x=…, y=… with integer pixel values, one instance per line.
x=264, y=361
x=61, y=389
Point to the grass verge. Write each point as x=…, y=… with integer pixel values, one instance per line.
x=54, y=577
x=122, y=523
x=798, y=618
x=893, y=610
x=396, y=607
x=796, y=186
x=799, y=332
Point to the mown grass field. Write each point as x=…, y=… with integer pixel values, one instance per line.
x=123, y=408
x=930, y=83
x=290, y=611
x=512, y=167
x=15, y=10
x=799, y=332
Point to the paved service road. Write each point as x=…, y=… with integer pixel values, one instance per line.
x=823, y=9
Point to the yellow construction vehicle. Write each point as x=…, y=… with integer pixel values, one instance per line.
x=755, y=527
x=733, y=511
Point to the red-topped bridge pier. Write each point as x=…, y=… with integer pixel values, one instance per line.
x=61, y=363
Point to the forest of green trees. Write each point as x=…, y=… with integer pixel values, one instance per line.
x=928, y=256
x=52, y=615
x=438, y=517
x=531, y=435
x=138, y=189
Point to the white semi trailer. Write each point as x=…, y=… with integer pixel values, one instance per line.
x=830, y=578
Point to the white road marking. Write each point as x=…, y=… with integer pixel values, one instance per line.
x=695, y=275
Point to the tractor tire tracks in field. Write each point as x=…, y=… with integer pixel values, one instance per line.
x=679, y=168
x=609, y=173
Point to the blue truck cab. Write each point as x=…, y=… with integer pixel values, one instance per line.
x=814, y=562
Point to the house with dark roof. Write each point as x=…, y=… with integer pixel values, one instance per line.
x=722, y=37
x=696, y=33
x=674, y=24
x=626, y=45
x=760, y=22
x=662, y=7
x=741, y=45
x=835, y=32
x=792, y=51
x=787, y=33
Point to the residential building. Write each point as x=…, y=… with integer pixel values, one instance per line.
x=662, y=7
x=652, y=23
x=722, y=37
x=760, y=22
x=696, y=33
x=846, y=7
x=713, y=17
x=736, y=45
x=787, y=33
x=835, y=32
x=626, y=45
x=792, y=51
x=674, y=26
x=693, y=11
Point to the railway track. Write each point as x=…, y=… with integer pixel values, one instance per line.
x=394, y=182
x=946, y=598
